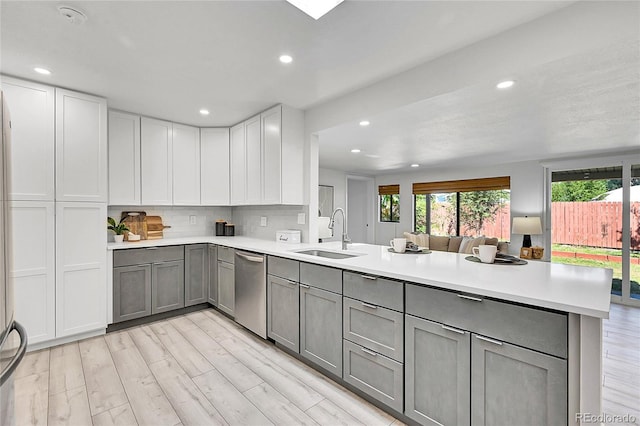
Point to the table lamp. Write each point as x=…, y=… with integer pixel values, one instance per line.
x=526, y=226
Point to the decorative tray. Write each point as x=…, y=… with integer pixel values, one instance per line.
x=500, y=260
x=421, y=251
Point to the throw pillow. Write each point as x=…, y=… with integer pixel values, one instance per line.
x=475, y=243
x=491, y=241
x=454, y=244
x=423, y=240
x=503, y=247
x=463, y=244
x=438, y=243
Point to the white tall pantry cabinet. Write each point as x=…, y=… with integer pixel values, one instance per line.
x=64, y=294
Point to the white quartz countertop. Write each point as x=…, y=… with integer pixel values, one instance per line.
x=576, y=289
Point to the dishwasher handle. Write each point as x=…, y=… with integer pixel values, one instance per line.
x=250, y=257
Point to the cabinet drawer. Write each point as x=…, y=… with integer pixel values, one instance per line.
x=373, y=327
x=283, y=268
x=147, y=255
x=373, y=289
x=226, y=254
x=533, y=328
x=374, y=374
x=323, y=277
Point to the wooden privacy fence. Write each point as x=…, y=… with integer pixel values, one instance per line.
x=595, y=224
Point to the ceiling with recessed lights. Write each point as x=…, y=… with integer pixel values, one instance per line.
x=170, y=59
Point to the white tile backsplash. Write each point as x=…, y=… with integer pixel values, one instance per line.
x=247, y=220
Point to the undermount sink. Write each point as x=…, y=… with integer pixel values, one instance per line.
x=329, y=254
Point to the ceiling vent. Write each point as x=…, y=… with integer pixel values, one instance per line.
x=73, y=16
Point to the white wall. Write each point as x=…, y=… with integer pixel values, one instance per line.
x=527, y=194
x=337, y=179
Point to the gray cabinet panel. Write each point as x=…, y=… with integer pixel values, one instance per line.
x=139, y=256
x=226, y=287
x=321, y=328
x=533, y=328
x=283, y=312
x=213, y=275
x=283, y=268
x=374, y=327
x=196, y=259
x=373, y=289
x=374, y=374
x=226, y=254
x=512, y=385
x=167, y=286
x=437, y=373
x=131, y=292
x=323, y=277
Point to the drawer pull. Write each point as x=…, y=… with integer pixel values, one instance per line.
x=367, y=305
x=486, y=339
x=368, y=352
x=151, y=248
x=369, y=277
x=475, y=299
x=304, y=285
x=294, y=283
x=455, y=330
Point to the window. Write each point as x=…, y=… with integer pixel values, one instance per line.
x=389, y=203
x=465, y=207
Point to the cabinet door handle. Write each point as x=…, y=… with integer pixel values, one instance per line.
x=369, y=277
x=294, y=283
x=486, y=339
x=367, y=305
x=142, y=266
x=151, y=248
x=368, y=352
x=475, y=299
x=304, y=285
x=455, y=330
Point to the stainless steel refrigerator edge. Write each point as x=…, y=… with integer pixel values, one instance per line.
x=251, y=292
x=13, y=345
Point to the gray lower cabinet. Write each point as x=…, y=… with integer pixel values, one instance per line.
x=131, y=292
x=375, y=374
x=226, y=287
x=167, y=286
x=321, y=327
x=212, y=294
x=513, y=385
x=437, y=373
x=196, y=274
x=283, y=312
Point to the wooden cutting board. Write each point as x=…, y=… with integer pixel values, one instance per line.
x=155, y=227
x=137, y=223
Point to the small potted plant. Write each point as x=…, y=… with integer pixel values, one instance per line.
x=119, y=229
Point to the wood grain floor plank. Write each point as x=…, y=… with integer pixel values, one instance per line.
x=117, y=416
x=148, y=344
x=32, y=399
x=326, y=412
x=230, y=402
x=65, y=372
x=148, y=402
x=190, y=404
x=239, y=331
x=276, y=407
x=182, y=351
x=33, y=363
x=104, y=387
x=70, y=407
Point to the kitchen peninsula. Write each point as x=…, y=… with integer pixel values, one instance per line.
x=547, y=317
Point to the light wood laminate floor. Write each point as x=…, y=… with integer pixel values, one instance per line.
x=204, y=369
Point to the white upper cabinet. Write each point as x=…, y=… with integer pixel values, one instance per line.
x=33, y=139
x=124, y=159
x=186, y=165
x=157, y=162
x=214, y=167
x=81, y=147
x=254, y=160
x=271, y=155
x=238, y=163
x=292, y=155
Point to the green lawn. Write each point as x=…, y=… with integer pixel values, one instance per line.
x=591, y=250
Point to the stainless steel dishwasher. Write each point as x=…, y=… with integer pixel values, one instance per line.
x=251, y=292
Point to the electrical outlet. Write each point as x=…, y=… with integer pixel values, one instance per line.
x=301, y=219
x=192, y=220
x=263, y=221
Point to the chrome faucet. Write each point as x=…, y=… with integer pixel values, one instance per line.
x=332, y=221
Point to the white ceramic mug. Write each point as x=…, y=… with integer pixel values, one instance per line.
x=399, y=245
x=486, y=253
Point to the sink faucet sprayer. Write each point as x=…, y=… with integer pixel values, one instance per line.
x=332, y=221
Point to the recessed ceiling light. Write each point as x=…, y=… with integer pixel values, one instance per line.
x=286, y=59
x=355, y=151
x=364, y=123
x=315, y=8
x=505, y=84
x=415, y=165
x=42, y=71
x=204, y=111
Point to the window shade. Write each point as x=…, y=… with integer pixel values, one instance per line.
x=486, y=184
x=388, y=189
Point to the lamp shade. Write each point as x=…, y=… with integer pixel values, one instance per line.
x=527, y=225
